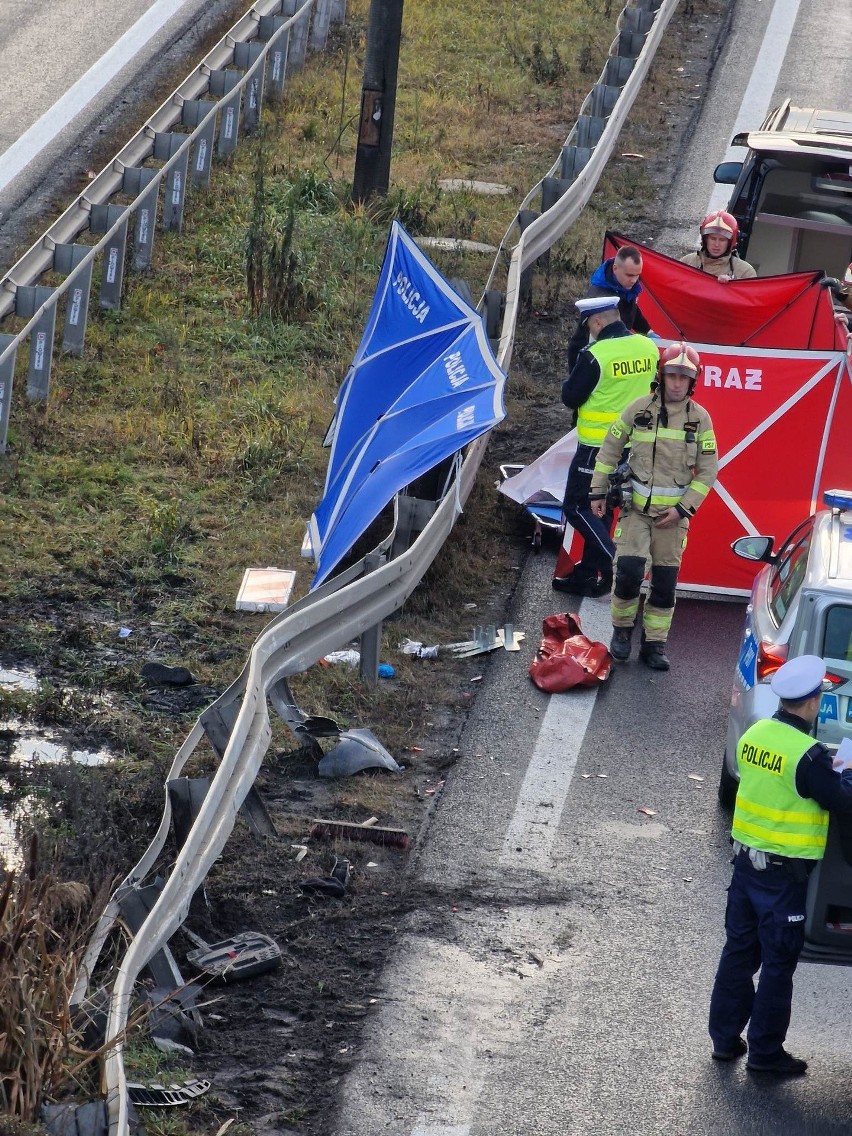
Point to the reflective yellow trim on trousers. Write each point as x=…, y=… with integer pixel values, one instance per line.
x=655, y=622
x=623, y=612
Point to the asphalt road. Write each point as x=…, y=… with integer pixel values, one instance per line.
x=558, y=977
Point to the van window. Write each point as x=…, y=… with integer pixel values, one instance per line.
x=838, y=633
x=790, y=570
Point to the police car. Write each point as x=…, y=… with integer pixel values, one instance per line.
x=801, y=604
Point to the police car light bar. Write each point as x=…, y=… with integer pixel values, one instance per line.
x=837, y=498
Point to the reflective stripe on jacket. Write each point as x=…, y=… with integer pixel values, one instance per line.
x=669, y=465
x=628, y=364
x=769, y=813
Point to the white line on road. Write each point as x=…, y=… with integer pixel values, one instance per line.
x=761, y=86
x=77, y=98
x=535, y=822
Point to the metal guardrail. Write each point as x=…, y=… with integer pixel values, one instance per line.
x=224, y=92
x=238, y=724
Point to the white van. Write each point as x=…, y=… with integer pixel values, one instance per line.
x=792, y=194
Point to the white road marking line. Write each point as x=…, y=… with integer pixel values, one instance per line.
x=535, y=822
x=761, y=86
x=423, y=1128
x=77, y=98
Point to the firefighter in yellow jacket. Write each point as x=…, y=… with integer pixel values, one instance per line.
x=671, y=465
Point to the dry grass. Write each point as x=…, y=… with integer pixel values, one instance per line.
x=42, y=927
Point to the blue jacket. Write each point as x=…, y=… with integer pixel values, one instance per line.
x=603, y=283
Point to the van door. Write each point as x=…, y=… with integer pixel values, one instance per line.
x=831, y=637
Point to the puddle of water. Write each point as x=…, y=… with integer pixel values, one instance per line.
x=18, y=680
x=19, y=749
x=40, y=749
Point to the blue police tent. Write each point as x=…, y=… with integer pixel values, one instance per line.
x=424, y=382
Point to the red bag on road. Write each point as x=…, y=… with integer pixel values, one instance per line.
x=566, y=658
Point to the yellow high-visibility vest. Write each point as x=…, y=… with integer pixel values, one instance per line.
x=769, y=813
x=628, y=365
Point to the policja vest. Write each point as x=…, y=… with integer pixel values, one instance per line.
x=769, y=813
x=628, y=364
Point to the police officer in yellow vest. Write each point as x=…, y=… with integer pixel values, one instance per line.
x=615, y=368
x=787, y=789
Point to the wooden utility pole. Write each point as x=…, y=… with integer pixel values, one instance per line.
x=378, y=100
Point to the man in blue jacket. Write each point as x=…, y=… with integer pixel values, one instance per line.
x=618, y=276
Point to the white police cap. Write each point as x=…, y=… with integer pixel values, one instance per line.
x=799, y=679
x=591, y=305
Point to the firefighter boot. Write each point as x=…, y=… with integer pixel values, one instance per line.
x=619, y=646
x=653, y=655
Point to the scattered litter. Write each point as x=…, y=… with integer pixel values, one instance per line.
x=695, y=777
x=166, y=1045
x=333, y=885
x=585, y=776
x=646, y=812
x=661, y=867
x=270, y=891
x=371, y=864
x=415, y=749
x=351, y=657
x=301, y=851
x=265, y=589
x=163, y=675
x=240, y=956
x=224, y=1127
x=415, y=647
x=369, y=823
x=434, y=789
x=165, y=1096
x=687, y=879
x=386, y=671
x=356, y=750
x=125, y=632
x=603, y=775
x=486, y=639
x=470, y=607
x=476, y=678
x=628, y=154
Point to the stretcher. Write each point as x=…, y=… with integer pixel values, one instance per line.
x=540, y=486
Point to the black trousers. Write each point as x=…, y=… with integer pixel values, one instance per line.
x=598, y=547
x=765, y=926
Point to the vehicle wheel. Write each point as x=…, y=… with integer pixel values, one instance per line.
x=728, y=785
